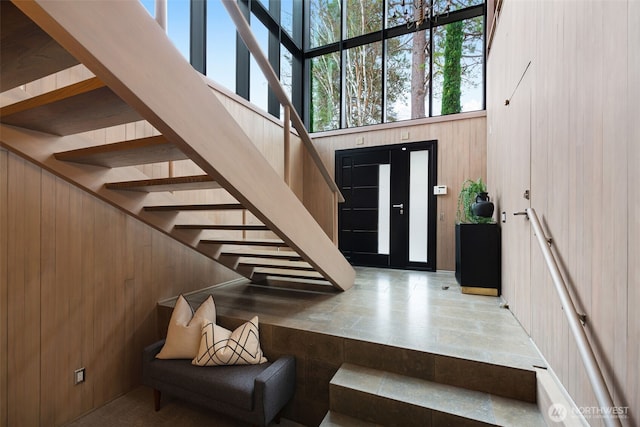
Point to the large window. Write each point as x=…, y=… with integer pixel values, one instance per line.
x=363, y=85
x=363, y=17
x=458, y=60
x=325, y=94
x=258, y=86
x=355, y=62
x=428, y=60
x=221, y=57
x=324, y=25
x=407, y=92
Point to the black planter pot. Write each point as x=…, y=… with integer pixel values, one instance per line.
x=482, y=207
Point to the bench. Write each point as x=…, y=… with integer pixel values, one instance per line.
x=252, y=393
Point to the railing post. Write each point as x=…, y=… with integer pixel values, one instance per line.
x=161, y=13
x=334, y=217
x=287, y=145
x=161, y=19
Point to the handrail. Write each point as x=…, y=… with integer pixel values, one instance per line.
x=244, y=30
x=584, y=348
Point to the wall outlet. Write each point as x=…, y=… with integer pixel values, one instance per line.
x=360, y=140
x=78, y=376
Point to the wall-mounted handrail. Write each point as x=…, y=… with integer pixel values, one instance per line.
x=584, y=348
x=244, y=30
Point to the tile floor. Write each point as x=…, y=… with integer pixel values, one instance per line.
x=423, y=311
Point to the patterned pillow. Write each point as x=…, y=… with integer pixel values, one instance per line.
x=219, y=346
x=183, y=335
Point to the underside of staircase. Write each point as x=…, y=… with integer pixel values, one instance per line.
x=139, y=75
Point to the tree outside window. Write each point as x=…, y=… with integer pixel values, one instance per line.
x=438, y=65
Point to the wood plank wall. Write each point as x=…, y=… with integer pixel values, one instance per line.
x=582, y=87
x=80, y=282
x=461, y=155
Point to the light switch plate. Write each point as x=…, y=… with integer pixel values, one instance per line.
x=78, y=376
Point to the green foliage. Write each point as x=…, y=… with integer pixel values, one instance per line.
x=452, y=69
x=466, y=197
x=408, y=77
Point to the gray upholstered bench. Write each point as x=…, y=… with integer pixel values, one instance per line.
x=252, y=393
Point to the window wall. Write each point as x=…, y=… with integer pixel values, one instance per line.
x=356, y=62
x=394, y=60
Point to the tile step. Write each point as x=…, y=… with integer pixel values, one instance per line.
x=336, y=419
x=386, y=398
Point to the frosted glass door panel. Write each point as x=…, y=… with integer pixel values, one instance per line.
x=384, y=208
x=418, y=206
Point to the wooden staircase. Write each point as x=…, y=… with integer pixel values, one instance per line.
x=139, y=75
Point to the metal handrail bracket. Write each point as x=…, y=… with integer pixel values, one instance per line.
x=584, y=348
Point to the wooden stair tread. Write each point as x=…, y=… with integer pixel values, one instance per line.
x=28, y=53
x=267, y=254
x=244, y=227
x=336, y=419
x=244, y=242
x=200, y=207
x=76, y=108
x=283, y=272
x=179, y=183
x=153, y=149
x=275, y=263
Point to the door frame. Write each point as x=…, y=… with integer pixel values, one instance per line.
x=432, y=146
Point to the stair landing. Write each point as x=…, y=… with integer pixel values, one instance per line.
x=405, y=323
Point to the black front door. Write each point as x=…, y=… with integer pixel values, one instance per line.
x=388, y=218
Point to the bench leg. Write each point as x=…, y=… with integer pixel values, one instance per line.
x=156, y=399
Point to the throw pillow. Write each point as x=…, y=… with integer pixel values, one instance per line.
x=183, y=335
x=219, y=346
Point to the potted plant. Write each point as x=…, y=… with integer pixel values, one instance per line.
x=474, y=206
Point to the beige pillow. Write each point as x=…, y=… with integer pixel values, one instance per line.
x=183, y=335
x=219, y=346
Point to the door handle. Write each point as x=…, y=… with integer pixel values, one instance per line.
x=526, y=216
x=400, y=206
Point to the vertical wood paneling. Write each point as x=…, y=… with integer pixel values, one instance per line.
x=87, y=229
x=48, y=327
x=615, y=154
x=23, y=297
x=62, y=307
x=82, y=283
x=584, y=156
x=632, y=385
x=4, y=280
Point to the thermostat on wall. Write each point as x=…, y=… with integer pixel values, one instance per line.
x=439, y=190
